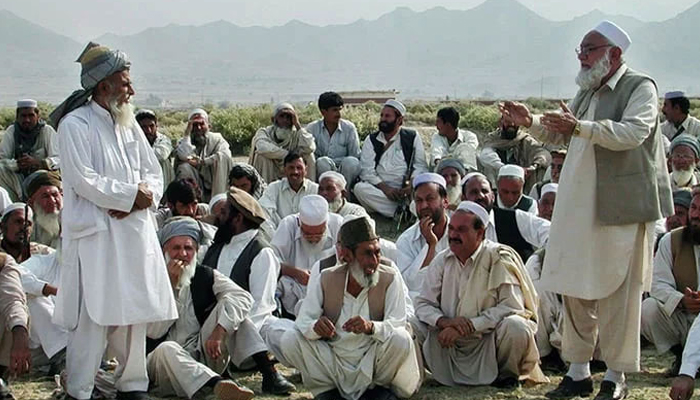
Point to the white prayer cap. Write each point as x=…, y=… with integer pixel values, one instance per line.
x=512, y=170
x=144, y=113
x=429, y=177
x=674, y=95
x=282, y=106
x=14, y=207
x=198, y=111
x=27, y=103
x=550, y=188
x=219, y=197
x=616, y=35
x=476, y=209
x=397, y=105
x=313, y=210
x=335, y=176
x=470, y=175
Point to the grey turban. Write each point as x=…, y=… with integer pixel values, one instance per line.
x=453, y=163
x=682, y=198
x=688, y=140
x=180, y=226
x=98, y=62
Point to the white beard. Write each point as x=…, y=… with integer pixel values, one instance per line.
x=123, y=114
x=334, y=206
x=50, y=222
x=682, y=177
x=592, y=77
x=283, y=134
x=186, y=274
x=454, y=195
x=366, y=281
x=312, y=249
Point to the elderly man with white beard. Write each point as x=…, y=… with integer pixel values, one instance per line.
x=685, y=156
x=602, y=267
x=331, y=186
x=299, y=242
x=203, y=155
x=350, y=339
x=45, y=196
x=112, y=184
x=271, y=144
x=452, y=170
x=418, y=245
x=478, y=309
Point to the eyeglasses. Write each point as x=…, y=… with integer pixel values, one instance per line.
x=584, y=51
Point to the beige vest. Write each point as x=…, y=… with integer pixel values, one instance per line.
x=643, y=192
x=684, y=266
x=333, y=287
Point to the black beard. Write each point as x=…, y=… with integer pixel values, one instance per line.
x=509, y=133
x=199, y=139
x=387, y=127
x=225, y=232
x=691, y=234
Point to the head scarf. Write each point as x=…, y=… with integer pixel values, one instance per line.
x=180, y=226
x=256, y=179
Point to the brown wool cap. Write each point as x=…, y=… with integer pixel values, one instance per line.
x=246, y=205
x=356, y=231
x=40, y=178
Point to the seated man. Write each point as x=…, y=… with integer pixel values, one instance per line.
x=510, y=186
x=480, y=307
x=350, y=339
x=28, y=145
x=389, y=159
x=453, y=171
x=510, y=145
x=332, y=187
x=281, y=198
x=452, y=142
x=545, y=206
x=45, y=196
x=685, y=158
x=558, y=156
x=15, y=356
x=248, y=179
x=337, y=141
x=683, y=386
x=675, y=300
x=203, y=155
x=523, y=231
x=418, y=245
x=675, y=109
x=272, y=144
x=181, y=201
x=16, y=230
x=681, y=206
x=212, y=328
x=161, y=144
x=298, y=243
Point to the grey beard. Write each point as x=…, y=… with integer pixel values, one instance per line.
x=454, y=195
x=49, y=222
x=334, y=206
x=123, y=114
x=186, y=275
x=282, y=134
x=592, y=77
x=312, y=250
x=366, y=281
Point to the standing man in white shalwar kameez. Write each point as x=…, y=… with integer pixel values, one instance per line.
x=385, y=160
x=113, y=276
x=418, y=245
x=299, y=242
x=350, y=338
x=601, y=246
x=478, y=309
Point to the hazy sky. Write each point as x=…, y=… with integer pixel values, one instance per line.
x=86, y=19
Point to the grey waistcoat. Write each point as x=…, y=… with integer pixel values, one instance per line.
x=630, y=188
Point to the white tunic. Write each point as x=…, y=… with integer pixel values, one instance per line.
x=280, y=200
x=663, y=285
x=691, y=126
x=533, y=229
x=264, y=271
x=464, y=148
x=116, y=265
x=392, y=165
x=585, y=259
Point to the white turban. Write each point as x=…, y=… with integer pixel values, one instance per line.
x=511, y=170
x=470, y=175
x=616, y=35
x=429, y=177
x=335, y=176
x=198, y=111
x=670, y=95
x=397, y=105
x=476, y=209
x=313, y=210
x=14, y=207
x=550, y=188
x=282, y=106
x=27, y=103
x=219, y=197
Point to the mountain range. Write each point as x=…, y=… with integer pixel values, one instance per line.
x=498, y=49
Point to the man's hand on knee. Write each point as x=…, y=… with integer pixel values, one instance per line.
x=682, y=388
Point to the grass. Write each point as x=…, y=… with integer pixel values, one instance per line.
x=650, y=384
